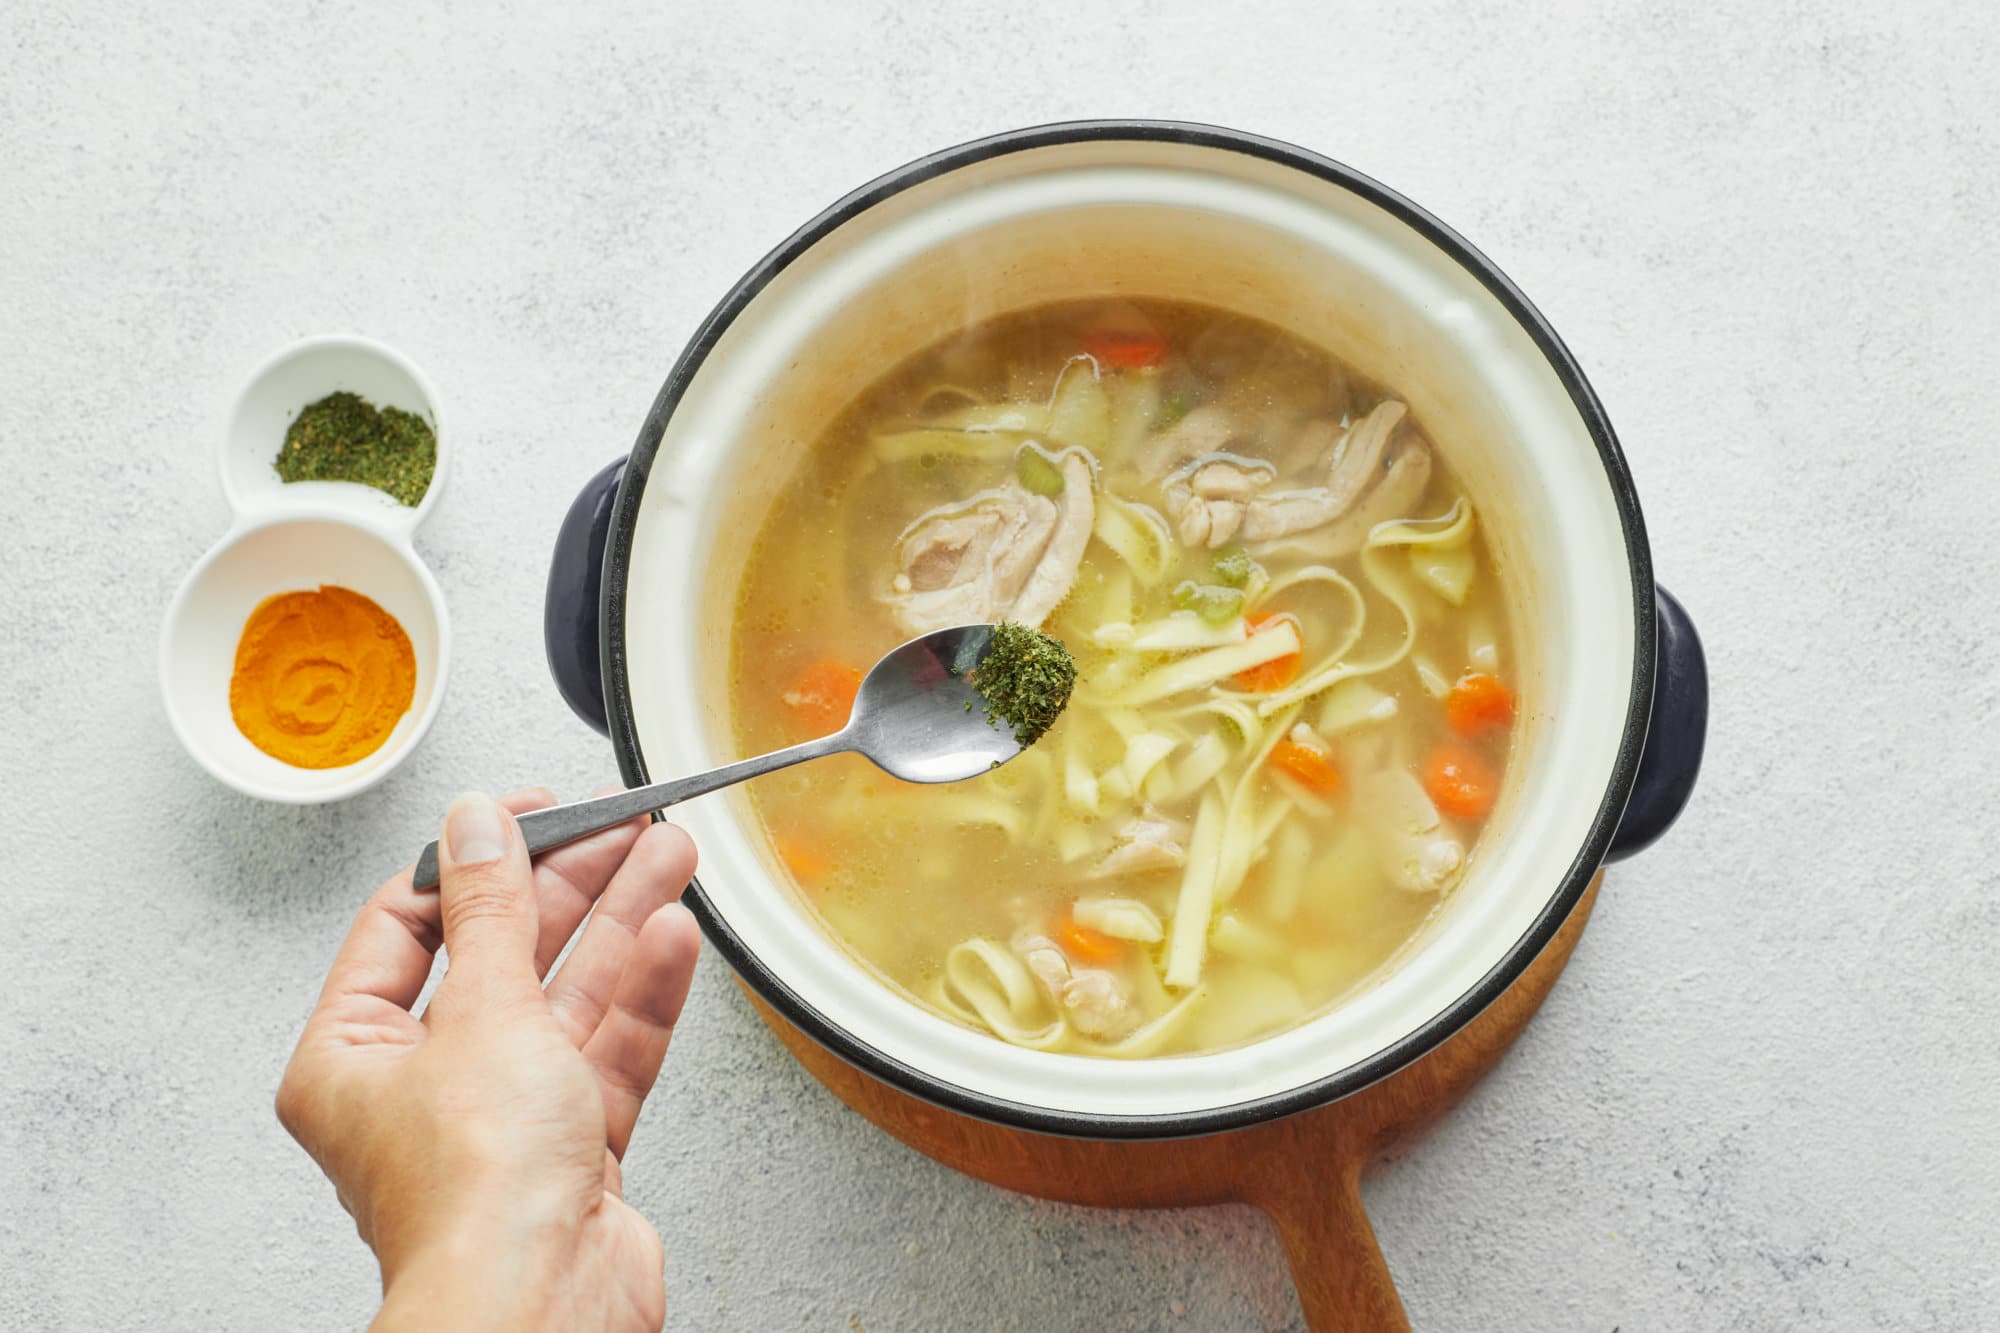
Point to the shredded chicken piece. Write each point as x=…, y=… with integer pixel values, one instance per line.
x=1206, y=430
x=1357, y=460
x=1006, y=554
x=1048, y=963
x=1097, y=1006
x=1209, y=523
x=1055, y=573
x=1147, y=841
x=1418, y=850
x=1317, y=445
x=1207, y=501
x=1357, y=463
x=1439, y=862
x=1215, y=501
x=1092, y=999
x=1405, y=474
x=1225, y=481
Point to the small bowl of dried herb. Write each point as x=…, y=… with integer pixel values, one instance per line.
x=344, y=421
x=304, y=656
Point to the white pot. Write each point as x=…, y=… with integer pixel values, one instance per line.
x=1161, y=210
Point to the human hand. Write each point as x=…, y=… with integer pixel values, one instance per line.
x=477, y=1146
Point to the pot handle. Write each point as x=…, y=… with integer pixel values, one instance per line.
x=570, y=606
x=1337, y=1267
x=1676, y=728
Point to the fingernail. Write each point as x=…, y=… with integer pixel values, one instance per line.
x=475, y=830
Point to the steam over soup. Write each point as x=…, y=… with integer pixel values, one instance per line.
x=1294, y=707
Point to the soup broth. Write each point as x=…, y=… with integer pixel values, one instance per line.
x=1294, y=706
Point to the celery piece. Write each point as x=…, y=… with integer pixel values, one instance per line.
x=1037, y=472
x=1233, y=565
x=1216, y=605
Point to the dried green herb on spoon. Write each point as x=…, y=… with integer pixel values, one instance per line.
x=344, y=437
x=1025, y=679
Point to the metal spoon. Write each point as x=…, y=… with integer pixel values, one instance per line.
x=917, y=717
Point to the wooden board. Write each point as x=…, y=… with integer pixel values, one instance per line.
x=1303, y=1171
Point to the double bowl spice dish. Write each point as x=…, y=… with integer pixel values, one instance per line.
x=304, y=656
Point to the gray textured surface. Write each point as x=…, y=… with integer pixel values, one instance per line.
x=1763, y=1097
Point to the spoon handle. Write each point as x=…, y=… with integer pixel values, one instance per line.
x=561, y=824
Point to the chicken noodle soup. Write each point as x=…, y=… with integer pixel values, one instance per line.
x=1294, y=708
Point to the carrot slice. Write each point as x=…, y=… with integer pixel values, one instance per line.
x=804, y=857
x=823, y=695
x=1279, y=671
x=1124, y=349
x=1477, y=704
x=1460, y=781
x=1084, y=944
x=1307, y=766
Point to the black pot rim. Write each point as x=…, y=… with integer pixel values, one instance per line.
x=1452, y=1017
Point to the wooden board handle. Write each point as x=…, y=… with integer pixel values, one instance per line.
x=1342, y=1279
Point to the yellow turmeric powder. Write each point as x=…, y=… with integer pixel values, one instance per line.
x=321, y=677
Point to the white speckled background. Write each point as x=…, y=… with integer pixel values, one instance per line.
x=1767, y=1093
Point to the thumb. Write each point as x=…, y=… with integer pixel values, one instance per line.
x=486, y=895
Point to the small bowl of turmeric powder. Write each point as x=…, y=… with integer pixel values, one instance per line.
x=305, y=654
x=304, y=658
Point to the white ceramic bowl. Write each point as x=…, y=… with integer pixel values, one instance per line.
x=289, y=537
x=1230, y=220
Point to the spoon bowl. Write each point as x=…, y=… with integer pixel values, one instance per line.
x=917, y=716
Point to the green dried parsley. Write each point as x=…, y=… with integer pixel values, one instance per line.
x=344, y=437
x=1025, y=679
